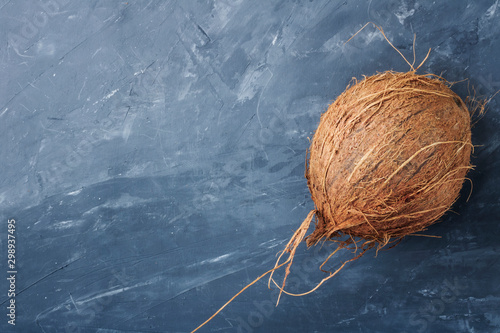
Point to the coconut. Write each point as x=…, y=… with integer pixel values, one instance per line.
x=389, y=158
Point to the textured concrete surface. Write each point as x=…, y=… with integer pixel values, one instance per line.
x=153, y=158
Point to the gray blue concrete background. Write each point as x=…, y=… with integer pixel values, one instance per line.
x=153, y=156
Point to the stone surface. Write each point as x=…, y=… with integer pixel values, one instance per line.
x=153, y=159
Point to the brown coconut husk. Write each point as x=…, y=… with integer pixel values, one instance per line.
x=388, y=159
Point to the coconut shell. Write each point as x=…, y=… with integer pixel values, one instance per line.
x=389, y=157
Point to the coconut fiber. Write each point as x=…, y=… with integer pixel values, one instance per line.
x=388, y=158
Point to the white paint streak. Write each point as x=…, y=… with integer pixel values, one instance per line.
x=112, y=292
x=271, y=243
x=253, y=82
x=75, y=192
x=275, y=39
x=66, y=224
x=1, y=114
x=403, y=13
x=108, y=96
x=127, y=127
x=491, y=11
x=214, y=260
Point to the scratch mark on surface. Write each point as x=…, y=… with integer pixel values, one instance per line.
x=60, y=60
x=44, y=277
x=49, y=129
x=4, y=112
x=46, y=312
x=25, y=107
x=119, y=290
x=245, y=128
x=84, y=82
x=260, y=96
x=217, y=97
x=76, y=46
x=376, y=291
x=204, y=33
x=73, y=301
x=127, y=127
x=5, y=5
x=142, y=71
x=195, y=285
x=22, y=90
x=96, y=51
x=146, y=7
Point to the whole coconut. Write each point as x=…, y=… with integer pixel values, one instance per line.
x=389, y=157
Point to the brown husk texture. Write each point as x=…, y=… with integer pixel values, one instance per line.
x=389, y=158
